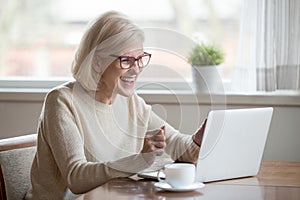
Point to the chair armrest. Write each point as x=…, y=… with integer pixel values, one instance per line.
x=18, y=142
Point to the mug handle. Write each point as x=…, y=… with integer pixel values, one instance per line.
x=158, y=177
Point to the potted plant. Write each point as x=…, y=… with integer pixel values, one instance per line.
x=204, y=59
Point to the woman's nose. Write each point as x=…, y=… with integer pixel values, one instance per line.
x=135, y=68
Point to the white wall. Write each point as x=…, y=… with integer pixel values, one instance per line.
x=20, y=117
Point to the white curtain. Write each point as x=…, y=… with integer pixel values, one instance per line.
x=268, y=56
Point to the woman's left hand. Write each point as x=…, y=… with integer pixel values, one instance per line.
x=198, y=136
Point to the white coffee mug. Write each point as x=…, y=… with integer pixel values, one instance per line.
x=178, y=175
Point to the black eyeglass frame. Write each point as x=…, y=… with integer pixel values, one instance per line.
x=132, y=60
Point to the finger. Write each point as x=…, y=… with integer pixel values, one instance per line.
x=163, y=128
x=156, y=131
x=204, y=123
x=160, y=144
x=202, y=127
x=152, y=146
x=158, y=137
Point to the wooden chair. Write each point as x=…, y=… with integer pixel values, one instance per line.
x=16, y=155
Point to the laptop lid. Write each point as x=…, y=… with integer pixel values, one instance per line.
x=233, y=143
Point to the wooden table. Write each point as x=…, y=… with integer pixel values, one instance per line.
x=276, y=180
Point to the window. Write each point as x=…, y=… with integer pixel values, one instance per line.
x=38, y=38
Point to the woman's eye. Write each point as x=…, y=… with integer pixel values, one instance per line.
x=125, y=60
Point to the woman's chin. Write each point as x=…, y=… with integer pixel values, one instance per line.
x=126, y=90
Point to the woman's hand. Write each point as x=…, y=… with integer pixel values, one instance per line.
x=154, y=142
x=198, y=136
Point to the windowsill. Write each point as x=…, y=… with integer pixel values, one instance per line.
x=230, y=98
x=278, y=98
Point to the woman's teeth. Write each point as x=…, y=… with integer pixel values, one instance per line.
x=127, y=79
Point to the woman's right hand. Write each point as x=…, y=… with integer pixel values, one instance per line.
x=154, y=142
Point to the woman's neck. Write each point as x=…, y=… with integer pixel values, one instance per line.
x=105, y=95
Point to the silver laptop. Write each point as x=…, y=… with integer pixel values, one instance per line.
x=232, y=146
x=233, y=143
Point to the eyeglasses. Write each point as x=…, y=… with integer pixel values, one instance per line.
x=127, y=62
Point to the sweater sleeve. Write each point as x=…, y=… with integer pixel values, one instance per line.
x=179, y=146
x=61, y=134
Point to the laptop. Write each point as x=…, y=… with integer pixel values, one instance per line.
x=232, y=145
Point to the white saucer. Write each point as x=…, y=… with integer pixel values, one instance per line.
x=167, y=187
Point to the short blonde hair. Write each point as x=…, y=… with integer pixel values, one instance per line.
x=110, y=33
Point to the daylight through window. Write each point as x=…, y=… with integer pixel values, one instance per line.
x=38, y=38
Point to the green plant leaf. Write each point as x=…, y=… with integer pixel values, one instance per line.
x=206, y=55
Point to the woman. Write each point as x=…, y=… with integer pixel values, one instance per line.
x=97, y=128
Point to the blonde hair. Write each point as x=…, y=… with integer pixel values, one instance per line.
x=110, y=33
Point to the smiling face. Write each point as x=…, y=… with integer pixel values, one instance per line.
x=116, y=80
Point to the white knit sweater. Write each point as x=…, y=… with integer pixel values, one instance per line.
x=83, y=143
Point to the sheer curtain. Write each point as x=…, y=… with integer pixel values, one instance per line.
x=268, y=57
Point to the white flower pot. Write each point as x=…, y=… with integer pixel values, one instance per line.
x=206, y=79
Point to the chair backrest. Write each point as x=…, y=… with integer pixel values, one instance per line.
x=16, y=155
